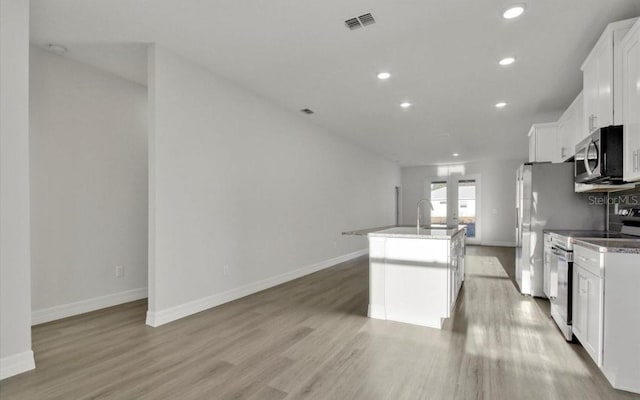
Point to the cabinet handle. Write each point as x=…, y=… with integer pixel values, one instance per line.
x=563, y=152
x=595, y=122
x=590, y=123
x=635, y=160
x=584, y=285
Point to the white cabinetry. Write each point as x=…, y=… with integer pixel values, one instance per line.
x=605, y=307
x=602, y=79
x=414, y=278
x=588, y=302
x=543, y=142
x=630, y=49
x=456, y=269
x=571, y=129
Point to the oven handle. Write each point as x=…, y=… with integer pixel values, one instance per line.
x=565, y=255
x=558, y=252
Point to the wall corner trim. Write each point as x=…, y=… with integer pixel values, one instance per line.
x=161, y=317
x=16, y=364
x=84, y=306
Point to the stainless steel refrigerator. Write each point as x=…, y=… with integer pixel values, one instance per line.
x=546, y=200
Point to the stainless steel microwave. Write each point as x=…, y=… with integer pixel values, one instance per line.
x=598, y=157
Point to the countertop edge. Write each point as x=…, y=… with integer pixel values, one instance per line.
x=447, y=236
x=606, y=249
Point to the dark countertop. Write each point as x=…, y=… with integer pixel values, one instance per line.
x=631, y=246
x=573, y=234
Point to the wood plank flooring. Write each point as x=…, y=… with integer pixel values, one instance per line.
x=310, y=339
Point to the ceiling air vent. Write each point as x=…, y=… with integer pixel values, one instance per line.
x=307, y=111
x=359, y=22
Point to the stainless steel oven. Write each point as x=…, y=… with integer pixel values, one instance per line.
x=558, y=267
x=598, y=157
x=562, y=271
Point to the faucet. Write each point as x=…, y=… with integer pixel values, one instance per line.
x=419, y=204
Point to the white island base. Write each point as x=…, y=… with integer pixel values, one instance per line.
x=415, y=277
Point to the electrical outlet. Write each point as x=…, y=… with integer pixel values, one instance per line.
x=226, y=270
x=119, y=271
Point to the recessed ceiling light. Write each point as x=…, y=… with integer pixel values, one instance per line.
x=455, y=154
x=405, y=104
x=507, y=61
x=384, y=75
x=513, y=11
x=501, y=104
x=57, y=48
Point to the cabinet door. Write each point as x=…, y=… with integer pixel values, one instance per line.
x=580, y=129
x=604, y=114
x=579, y=307
x=543, y=143
x=590, y=96
x=631, y=104
x=587, y=311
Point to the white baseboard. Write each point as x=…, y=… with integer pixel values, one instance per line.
x=499, y=244
x=161, y=317
x=84, y=306
x=16, y=364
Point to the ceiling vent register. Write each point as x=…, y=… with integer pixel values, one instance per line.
x=359, y=22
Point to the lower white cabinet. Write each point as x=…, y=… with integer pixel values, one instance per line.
x=413, y=278
x=456, y=268
x=606, y=312
x=587, y=311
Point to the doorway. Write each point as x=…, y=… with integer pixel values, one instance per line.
x=456, y=201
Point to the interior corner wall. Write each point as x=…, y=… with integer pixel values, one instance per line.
x=15, y=295
x=88, y=187
x=497, y=195
x=244, y=194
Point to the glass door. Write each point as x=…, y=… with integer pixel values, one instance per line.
x=439, y=202
x=456, y=201
x=467, y=192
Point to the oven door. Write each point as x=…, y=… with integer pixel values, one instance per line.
x=561, y=302
x=550, y=271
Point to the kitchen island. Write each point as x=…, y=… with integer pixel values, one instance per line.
x=415, y=275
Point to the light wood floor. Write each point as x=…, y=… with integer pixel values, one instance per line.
x=311, y=339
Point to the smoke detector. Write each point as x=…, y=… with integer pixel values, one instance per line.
x=359, y=22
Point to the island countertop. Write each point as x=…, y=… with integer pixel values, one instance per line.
x=412, y=233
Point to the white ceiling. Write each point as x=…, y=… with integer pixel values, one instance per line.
x=442, y=54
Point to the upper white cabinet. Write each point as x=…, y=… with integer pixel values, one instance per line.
x=570, y=130
x=543, y=142
x=602, y=79
x=630, y=49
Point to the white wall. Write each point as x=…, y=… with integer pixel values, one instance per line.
x=237, y=181
x=15, y=298
x=88, y=187
x=497, y=195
